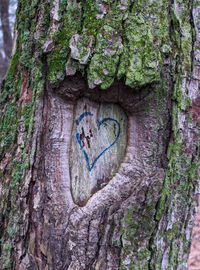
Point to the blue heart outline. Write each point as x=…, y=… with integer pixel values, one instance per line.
x=99, y=123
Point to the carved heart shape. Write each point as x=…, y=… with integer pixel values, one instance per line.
x=99, y=124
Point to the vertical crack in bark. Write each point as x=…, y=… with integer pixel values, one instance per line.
x=193, y=33
x=152, y=236
x=123, y=37
x=37, y=173
x=170, y=136
x=102, y=221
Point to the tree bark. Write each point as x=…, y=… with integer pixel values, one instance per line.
x=100, y=136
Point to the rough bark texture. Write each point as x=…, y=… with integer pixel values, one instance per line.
x=142, y=55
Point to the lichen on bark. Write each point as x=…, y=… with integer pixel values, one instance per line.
x=141, y=52
x=115, y=39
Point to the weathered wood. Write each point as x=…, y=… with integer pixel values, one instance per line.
x=77, y=228
x=99, y=140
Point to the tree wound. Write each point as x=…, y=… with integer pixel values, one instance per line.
x=98, y=146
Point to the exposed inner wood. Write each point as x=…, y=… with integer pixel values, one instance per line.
x=66, y=228
x=98, y=144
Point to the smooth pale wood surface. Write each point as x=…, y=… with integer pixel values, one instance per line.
x=99, y=139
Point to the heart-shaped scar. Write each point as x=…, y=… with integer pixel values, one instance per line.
x=80, y=137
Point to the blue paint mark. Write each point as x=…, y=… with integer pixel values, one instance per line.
x=79, y=140
x=99, y=123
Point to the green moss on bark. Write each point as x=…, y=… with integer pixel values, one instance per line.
x=123, y=44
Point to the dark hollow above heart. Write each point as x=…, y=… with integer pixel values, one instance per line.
x=98, y=145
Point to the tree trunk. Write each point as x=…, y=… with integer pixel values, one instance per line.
x=100, y=136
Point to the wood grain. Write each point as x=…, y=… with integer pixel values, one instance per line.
x=99, y=140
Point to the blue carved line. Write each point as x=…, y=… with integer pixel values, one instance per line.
x=99, y=123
